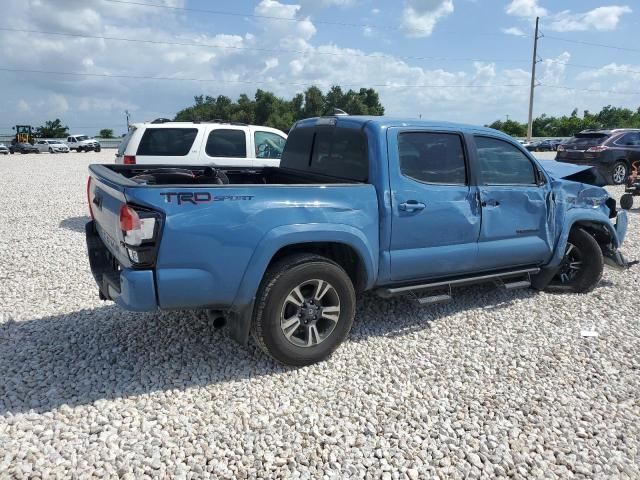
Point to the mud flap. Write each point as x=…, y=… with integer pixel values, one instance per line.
x=615, y=259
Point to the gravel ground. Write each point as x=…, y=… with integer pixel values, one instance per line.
x=495, y=384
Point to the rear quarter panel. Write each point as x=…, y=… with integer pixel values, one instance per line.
x=214, y=254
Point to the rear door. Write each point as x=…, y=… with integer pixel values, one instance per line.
x=175, y=145
x=267, y=147
x=517, y=207
x=629, y=146
x=435, y=212
x=227, y=145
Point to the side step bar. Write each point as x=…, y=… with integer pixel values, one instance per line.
x=519, y=279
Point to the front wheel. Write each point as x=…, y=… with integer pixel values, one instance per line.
x=304, y=309
x=582, y=265
x=50, y=150
x=619, y=173
x=78, y=149
x=97, y=149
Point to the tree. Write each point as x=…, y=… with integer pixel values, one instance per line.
x=569, y=125
x=106, y=133
x=272, y=111
x=52, y=129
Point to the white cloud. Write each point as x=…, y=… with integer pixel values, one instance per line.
x=375, y=11
x=420, y=17
x=514, y=31
x=526, y=8
x=601, y=18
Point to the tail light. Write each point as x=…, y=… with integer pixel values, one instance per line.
x=89, y=196
x=598, y=149
x=560, y=148
x=139, y=229
x=129, y=160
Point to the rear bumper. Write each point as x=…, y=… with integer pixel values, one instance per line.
x=131, y=289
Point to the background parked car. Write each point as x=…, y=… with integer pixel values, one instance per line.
x=83, y=143
x=52, y=146
x=4, y=150
x=611, y=151
x=19, y=147
x=208, y=143
x=548, y=145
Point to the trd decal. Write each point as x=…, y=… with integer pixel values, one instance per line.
x=195, y=198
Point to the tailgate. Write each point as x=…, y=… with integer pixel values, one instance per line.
x=129, y=232
x=106, y=198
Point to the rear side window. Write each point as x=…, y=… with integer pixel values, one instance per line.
x=125, y=141
x=227, y=143
x=629, y=140
x=432, y=157
x=173, y=142
x=503, y=164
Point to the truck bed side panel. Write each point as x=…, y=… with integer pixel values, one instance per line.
x=206, y=246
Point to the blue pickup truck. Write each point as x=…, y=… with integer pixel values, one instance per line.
x=401, y=207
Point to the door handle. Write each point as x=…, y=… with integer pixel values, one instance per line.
x=490, y=203
x=412, y=206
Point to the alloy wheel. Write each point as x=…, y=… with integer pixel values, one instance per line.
x=310, y=313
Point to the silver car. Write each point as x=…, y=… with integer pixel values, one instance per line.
x=52, y=146
x=4, y=150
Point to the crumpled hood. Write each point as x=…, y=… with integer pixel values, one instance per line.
x=577, y=173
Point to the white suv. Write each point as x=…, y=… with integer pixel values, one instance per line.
x=192, y=143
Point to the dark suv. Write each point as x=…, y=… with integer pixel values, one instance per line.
x=611, y=151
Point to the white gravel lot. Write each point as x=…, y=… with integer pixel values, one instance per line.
x=495, y=384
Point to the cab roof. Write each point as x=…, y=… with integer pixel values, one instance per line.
x=388, y=122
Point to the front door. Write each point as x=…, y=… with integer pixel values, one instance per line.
x=436, y=218
x=517, y=207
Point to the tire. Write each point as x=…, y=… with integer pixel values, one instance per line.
x=78, y=149
x=619, y=173
x=626, y=201
x=324, y=287
x=97, y=149
x=581, y=268
x=50, y=150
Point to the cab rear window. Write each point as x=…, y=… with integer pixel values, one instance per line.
x=173, y=142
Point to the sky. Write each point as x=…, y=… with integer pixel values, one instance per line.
x=458, y=60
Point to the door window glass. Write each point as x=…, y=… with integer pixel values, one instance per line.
x=503, y=164
x=432, y=157
x=227, y=143
x=268, y=144
x=629, y=140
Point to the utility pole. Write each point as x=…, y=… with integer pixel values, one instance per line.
x=126, y=112
x=533, y=80
x=507, y=117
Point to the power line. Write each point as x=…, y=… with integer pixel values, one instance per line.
x=289, y=19
x=245, y=82
x=592, y=44
x=590, y=67
x=233, y=47
x=302, y=84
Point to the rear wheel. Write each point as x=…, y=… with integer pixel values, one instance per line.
x=619, y=173
x=304, y=309
x=79, y=149
x=626, y=201
x=582, y=265
x=50, y=150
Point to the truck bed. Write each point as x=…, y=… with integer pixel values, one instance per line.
x=162, y=175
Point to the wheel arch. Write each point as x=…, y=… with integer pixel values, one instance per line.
x=344, y=244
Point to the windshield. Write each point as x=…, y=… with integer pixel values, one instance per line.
x=82, y=137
